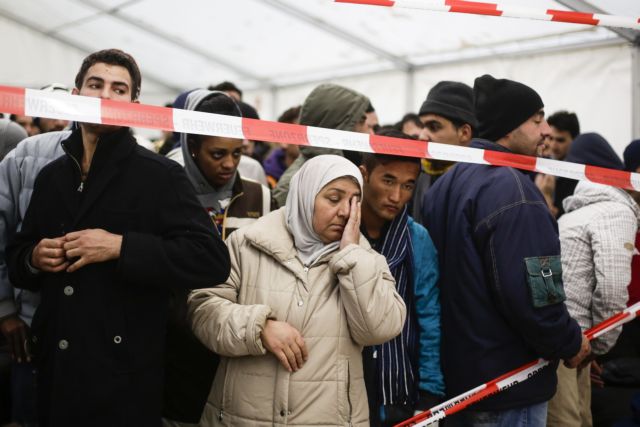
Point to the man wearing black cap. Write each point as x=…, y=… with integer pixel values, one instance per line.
x=448, y=118
x=501, y=275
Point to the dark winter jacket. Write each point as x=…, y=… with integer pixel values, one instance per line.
x=99, y=332
x=500, y=281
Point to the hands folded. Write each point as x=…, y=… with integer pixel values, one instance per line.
x=75, y=250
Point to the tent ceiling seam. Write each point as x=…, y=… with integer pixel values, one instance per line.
x=399, y=62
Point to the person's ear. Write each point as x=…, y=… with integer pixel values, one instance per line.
x=75, y=91
x=465, y=134
x=364, y=172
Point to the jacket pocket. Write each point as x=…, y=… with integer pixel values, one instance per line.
x=544, y=276
x=344, y=389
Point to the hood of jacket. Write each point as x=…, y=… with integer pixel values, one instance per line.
x=333, y=107
x=589, y=193
x=206, y=193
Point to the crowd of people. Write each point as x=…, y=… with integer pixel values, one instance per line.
x=211, y=281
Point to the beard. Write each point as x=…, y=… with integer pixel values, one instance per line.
x=99, y=129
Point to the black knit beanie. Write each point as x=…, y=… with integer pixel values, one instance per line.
x=452, y=100
x=502, y=105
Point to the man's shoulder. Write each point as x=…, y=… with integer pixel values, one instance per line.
x=46, y=145
x=420, y=237
x=155, y=162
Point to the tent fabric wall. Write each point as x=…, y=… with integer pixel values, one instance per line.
x=594, y=83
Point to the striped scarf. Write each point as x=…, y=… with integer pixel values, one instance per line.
x=398, y=365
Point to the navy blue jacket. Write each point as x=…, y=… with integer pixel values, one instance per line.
x=484, y=221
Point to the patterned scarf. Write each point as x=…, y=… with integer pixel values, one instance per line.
x=398, y=364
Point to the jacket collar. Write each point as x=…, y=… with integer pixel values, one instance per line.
x=485, y=144
x=111, y=150
x=270, y=235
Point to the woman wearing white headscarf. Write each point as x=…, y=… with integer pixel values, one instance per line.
x=305, y=294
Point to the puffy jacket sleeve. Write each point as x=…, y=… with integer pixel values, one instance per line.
x=9, y=184
x=375, y=311
x=518, y=231
x=427, y=303
x=184, y=251
x=610, y=234
x=220, y=322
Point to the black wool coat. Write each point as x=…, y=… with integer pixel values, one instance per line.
x=99, y=333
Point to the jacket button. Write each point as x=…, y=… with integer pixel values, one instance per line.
x=283, y=413
x=306, y=269
x=300, y=303
x=117, y=339
x=68, y=291
x=63, y=344
x=34, y=338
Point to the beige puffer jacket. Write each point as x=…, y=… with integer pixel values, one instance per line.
x=345, y=301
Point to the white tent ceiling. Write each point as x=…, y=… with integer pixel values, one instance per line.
x=271, y=47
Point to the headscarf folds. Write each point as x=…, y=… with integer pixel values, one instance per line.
x=305, y=186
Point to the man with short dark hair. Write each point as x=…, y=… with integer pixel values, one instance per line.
x=500, y=270
x=402, y=375
x=564, y=129
x=111, y=229
x=448, y=117
x=229, y=88
x=410, y=124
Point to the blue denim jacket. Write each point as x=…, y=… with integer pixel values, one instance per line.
x=488, y=223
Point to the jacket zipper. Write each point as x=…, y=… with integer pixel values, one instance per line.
x=81, y=186
x=349, y=392
x=224, y=217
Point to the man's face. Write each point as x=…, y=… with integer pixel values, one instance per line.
x=27, y=123
x=106, y=81
x=388, y=188
x=362, y=126
x=560, y=141
x=440, y=129
x=233, y=94
x=218, y=159
x=52, y=125
x=528, y=138
x=412, y=129
x=371, y=122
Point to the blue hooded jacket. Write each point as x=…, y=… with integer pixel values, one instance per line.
x=500, y=281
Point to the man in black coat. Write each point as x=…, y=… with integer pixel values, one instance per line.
x=111, y=229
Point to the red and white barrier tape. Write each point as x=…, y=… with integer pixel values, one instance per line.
x=58, y=105
x=512, y=378
x=504, y=10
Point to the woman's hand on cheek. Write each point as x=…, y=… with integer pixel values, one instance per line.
x=351, y=233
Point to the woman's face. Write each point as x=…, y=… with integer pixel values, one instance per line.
x=331, y=208
x=218, y=158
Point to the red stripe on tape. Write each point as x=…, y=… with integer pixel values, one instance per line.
x=475, y=8
x=610, y=321
x=136, y=115
x=388, y=3
x=260, y=130
x=612, y=177
x=399, y=147
x=518, y=161
x=12, y=100
x=572, y=17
